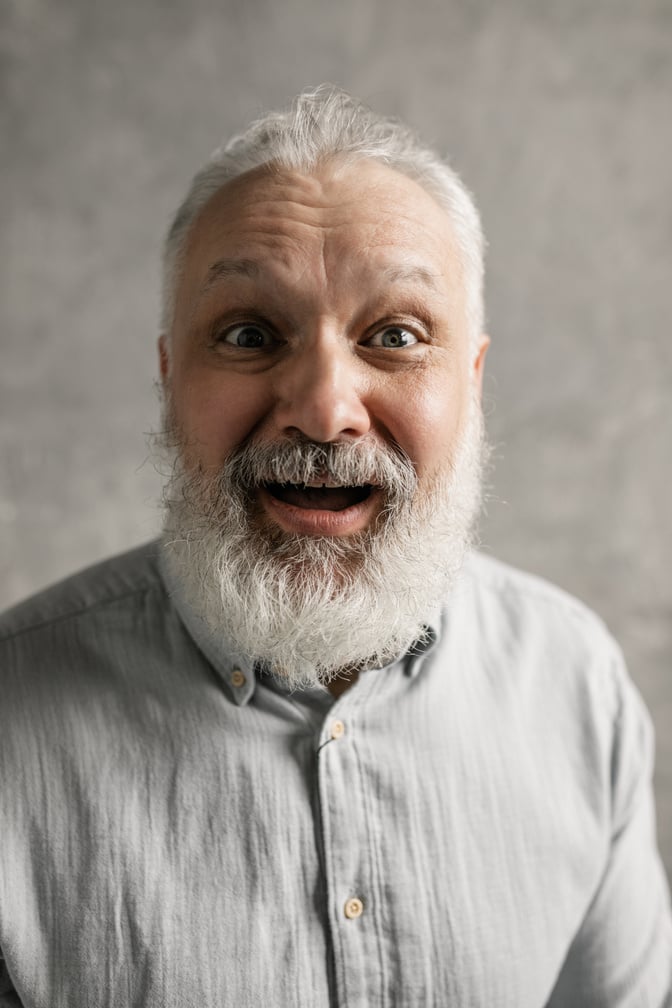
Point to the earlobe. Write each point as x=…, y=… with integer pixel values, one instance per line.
x=164, y=358
x=479, y=362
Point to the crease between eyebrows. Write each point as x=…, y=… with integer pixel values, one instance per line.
x=250, y=269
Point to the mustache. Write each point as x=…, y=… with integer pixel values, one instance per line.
x=365, y=462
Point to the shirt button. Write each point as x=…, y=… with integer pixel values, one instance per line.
x=237, y=678
x=353, y=908
x=337, y=730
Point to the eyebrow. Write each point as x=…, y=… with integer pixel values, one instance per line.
x=412, y=274
x=220, y=270
x=251, y=269
x=229, y=267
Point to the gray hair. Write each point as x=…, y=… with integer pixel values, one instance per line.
x=322, y=125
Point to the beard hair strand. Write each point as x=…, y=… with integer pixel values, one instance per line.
x=310, y=608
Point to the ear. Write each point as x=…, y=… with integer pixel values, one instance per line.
x=164, y=358
x=479, y=363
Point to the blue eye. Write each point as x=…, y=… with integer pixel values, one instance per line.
x=393, y=338
x=248, y=336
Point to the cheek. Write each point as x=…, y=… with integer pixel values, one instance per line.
x=215, y=414
x=430, y=423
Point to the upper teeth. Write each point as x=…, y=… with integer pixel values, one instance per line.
x=319, y=483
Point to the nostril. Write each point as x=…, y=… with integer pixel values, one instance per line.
x=322, y=424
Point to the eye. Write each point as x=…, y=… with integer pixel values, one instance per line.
x=392, y=338
x=249, y=336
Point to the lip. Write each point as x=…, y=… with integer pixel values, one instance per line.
x=317, y=521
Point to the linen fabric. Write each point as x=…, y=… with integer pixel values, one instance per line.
x=471, y=825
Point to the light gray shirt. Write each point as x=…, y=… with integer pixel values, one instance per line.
x=471, y=826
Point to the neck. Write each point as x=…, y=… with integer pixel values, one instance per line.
x=342, y=682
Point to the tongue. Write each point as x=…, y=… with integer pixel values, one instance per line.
x=319, y=498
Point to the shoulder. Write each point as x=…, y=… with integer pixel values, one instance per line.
x=548, y=663
x=515, y=603
x=102, y=635
x=533, y=634
x=86, y=595
x=517, y=592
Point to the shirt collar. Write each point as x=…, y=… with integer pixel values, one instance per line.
x=237, y=672
x=422, y=646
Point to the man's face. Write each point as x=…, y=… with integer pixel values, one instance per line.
x=322, y=408
x=328, y=306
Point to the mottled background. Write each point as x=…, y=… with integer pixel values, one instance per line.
x=559, y=117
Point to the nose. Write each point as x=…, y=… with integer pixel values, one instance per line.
x=320, y=392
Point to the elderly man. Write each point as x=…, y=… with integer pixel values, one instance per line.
x=310, y=750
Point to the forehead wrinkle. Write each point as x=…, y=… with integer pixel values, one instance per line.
x=223, y=269
x=300, y=236
x=228, y=268
x=276, y=276
x=412, y=275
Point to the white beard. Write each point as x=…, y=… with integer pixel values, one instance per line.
x=310, y=607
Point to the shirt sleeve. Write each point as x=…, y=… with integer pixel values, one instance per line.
x=621, y=956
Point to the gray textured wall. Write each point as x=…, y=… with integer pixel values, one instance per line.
x=559, y=116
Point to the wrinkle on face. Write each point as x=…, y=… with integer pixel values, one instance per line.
x=321, y=263
x=302, y=229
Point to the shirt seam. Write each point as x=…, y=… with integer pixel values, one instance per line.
x=497, y=582
x=75, y=613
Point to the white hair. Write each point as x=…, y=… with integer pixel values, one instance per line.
x=323, y=125
x=295, y=603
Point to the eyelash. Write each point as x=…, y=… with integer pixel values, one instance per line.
x=258, y=326
x=400, y=328
x=220, y=335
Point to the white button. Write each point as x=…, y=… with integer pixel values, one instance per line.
x=353, y=908
x=237, y=678
x=337, y=730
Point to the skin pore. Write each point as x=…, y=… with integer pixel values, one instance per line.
x=329, y=307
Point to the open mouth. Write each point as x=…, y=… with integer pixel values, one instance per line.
x=319, y=497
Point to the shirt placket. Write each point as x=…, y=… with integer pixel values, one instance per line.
x=350, y=847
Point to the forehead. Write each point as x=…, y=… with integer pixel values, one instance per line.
x=353, y=216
